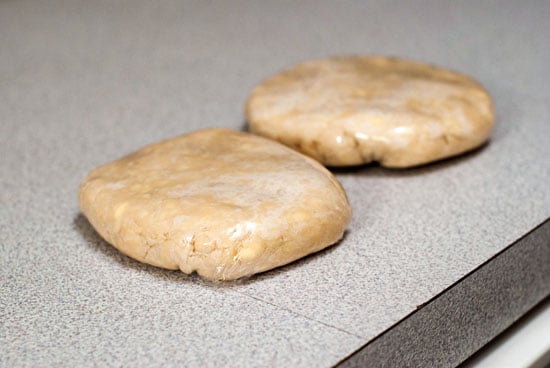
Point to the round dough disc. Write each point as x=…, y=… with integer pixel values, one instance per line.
x=348, y=111
x=223, y=203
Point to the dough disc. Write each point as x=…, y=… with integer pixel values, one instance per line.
x=348, y=111
x=223, y=203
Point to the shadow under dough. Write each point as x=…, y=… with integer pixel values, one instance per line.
x=374, y=169
x=97, y=243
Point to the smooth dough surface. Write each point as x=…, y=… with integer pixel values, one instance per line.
x=346, y=111
x=223, y=203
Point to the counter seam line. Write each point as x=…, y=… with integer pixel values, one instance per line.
x=298, y=314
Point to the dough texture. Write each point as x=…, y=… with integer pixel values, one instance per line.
x=223, y=203
x=346, y=111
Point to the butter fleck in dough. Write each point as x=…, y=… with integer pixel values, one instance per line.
x=347, y=111
x=222, y=203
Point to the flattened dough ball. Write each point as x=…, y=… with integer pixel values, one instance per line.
x=223, y=203
x=348, y=111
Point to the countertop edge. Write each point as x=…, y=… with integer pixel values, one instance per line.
x=468, y=314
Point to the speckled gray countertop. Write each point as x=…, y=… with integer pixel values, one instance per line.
x=82, y=83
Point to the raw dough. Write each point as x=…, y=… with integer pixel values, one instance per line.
x=353, y=110
x=223, y=203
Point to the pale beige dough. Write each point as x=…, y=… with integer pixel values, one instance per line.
x=223, y=203
x=348, y=111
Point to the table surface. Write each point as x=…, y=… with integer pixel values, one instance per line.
x=83, y=83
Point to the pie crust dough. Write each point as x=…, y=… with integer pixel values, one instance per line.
x=346, y=111
x=222, y=203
